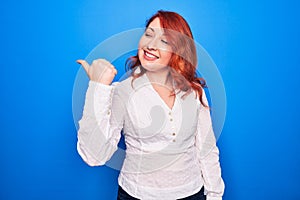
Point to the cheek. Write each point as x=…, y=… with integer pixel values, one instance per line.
x=166, y=55
x=140, y=51
x=140, y=54
x=142, y=42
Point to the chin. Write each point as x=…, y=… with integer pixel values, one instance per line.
x=148, y=67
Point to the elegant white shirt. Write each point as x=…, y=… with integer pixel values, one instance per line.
x=170, y=153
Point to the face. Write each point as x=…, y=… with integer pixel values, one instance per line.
x=154, y=50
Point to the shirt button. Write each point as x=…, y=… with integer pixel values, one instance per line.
x=171, y=119
x=174, y=140
x=170, y=113
x=108, y=112
x=173, y=134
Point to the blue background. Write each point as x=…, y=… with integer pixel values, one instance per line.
x=255, y=45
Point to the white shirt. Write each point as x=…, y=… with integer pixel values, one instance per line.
x=170, y=153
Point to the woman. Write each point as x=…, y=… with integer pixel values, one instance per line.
x=161, y=107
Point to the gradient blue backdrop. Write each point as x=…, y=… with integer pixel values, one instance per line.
x=255, y=45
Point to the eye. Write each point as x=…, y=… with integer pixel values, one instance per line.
x=164, y=41
x=147, y=34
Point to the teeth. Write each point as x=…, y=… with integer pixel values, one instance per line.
x=150, y=55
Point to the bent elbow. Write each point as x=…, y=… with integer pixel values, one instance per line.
x=87, y=158
x=93, y=164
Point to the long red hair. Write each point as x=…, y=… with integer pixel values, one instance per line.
x=183, y=62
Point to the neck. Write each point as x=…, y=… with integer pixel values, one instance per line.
x=161, y=78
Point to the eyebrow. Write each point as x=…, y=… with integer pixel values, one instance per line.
x=152, y=29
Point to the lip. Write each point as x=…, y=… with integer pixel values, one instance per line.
x=150, y=56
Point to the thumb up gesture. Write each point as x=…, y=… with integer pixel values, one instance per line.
x=100, y=71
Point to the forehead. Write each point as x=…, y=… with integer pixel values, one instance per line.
x=155, y=26
x=155, y=23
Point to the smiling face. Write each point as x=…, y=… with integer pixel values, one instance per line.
x=154, y=50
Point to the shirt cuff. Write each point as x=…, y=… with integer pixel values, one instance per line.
x=98, y=99
x=101, y=86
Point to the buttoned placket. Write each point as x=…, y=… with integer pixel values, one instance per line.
x=173, y=133
x=172, y=117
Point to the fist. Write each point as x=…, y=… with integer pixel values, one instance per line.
x=100, y=71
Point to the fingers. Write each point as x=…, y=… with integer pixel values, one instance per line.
x=84, y=64
x=113, y=70
x=99, y=70
x=109, y=65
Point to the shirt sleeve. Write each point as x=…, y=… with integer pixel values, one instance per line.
x=101, y=123
x=208, y=154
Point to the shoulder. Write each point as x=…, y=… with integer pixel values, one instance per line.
x=130, y=83
x=125, y=82
x=196, y=95
x=123, y=87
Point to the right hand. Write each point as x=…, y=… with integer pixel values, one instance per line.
x=100, y=71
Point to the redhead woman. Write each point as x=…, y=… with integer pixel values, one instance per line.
x=161, y=107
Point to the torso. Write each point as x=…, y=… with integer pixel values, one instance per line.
x=164, y=93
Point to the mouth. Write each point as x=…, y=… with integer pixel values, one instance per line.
x=150, y=56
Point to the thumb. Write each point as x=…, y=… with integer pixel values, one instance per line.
x=84, y=64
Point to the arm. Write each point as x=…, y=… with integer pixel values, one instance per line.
x=208, y=154
x=101, y=123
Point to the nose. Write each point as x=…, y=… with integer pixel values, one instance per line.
x=152, y=44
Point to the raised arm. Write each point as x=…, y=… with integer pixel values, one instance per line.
x=103, y=115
